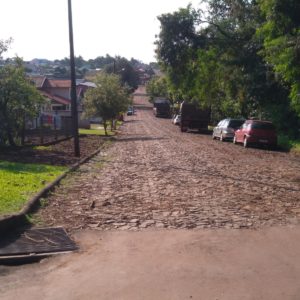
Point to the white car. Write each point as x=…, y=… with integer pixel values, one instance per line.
x=177, y=120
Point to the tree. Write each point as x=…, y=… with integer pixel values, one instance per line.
x=107, y=100
x=177, y=44
x=19, y=101
x=281, y=34
x=4, y=46
x=122, y=67
x=220, y=64
x=157, y=87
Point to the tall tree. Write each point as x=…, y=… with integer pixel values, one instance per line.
x=128, y=75
x=281, y=33
x=176, y=48
x=157, y=87
x=219, y=64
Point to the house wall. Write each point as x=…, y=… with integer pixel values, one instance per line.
x=62, y=92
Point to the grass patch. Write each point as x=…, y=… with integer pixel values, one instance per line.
x=296, y=146
x=21, y=181
x=98, y=129
x=34, y=219
x=96, y=132
x=97, y=126
x=287, y=144
x=42, y=148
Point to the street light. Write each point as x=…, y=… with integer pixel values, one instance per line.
x=73, y=84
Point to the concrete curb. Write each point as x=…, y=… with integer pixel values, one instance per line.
x=13, y=221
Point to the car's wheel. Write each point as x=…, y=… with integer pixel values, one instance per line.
x=213, y=137
x=183, y=129
x=234, y=140
x=246, y=143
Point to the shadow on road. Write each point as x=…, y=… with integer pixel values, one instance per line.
x=139, y=138
x=132, y=121
x=143, y=107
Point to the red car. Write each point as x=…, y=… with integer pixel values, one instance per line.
x=256, y=132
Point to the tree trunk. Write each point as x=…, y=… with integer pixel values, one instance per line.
x=10, y=137
x=9, y=133
x=105, y=127
x=23, y=131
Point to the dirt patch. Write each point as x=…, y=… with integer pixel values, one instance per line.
x=59, y=154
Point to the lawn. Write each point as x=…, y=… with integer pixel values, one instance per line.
x=96, y=132
x=20, y=181
x=98, y=129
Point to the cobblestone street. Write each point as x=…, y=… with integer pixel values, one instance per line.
x=137, y=202
x=156, y=176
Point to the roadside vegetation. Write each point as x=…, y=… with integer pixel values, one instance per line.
x=108, y=100
x=99, y=131
x=285, y=143
x=241, y=59
x=96, y=132
x=19, y=99
x=20, y=181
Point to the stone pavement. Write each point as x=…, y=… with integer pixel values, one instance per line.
x=155, y=176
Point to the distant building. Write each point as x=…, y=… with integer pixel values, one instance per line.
x=57, y=93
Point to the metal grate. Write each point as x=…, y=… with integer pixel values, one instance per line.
x=37, y=241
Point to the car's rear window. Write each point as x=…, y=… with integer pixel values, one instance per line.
x=268, y=126
x=236, y=123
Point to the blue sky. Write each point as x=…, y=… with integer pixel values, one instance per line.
x=127, y=28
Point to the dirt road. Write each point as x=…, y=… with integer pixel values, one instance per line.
x=137, y=202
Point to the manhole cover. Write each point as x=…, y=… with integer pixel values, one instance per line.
x=36, y=242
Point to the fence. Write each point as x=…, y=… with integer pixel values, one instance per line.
x=47, y=129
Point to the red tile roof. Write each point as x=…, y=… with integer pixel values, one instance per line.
x=56, y=98
x=60, y=83
x=38, y=80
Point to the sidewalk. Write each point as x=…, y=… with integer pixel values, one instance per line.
x=167, y=264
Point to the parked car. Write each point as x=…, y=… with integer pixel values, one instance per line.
x=226, y=128
x=193, y=117
x=162, y=107
x=177, y=120
x=130, y=111
x=256, y=132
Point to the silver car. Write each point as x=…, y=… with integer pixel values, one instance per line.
x=226, y=128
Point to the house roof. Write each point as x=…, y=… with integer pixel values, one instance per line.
x=58, y=99
x=88, y=84
x=60, y=83
x=38, y=80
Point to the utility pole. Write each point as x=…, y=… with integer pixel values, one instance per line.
x=73, y=84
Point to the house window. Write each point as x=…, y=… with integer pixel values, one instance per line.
x=58, y=107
